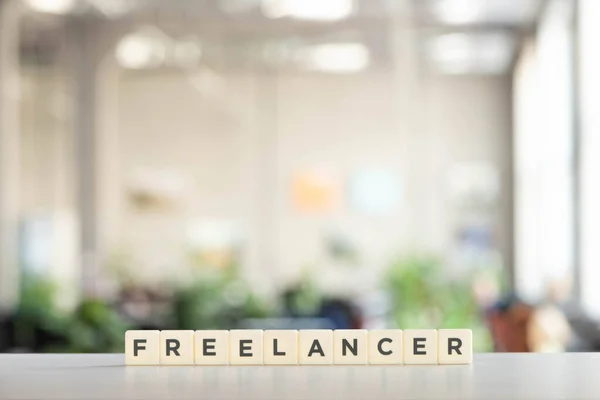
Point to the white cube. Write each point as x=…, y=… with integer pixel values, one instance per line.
x=280, y=347
x=142, y=347
x=350, y=346
x=385, y=347
x=212, y=347
x=315, y=347
x=420, y=346
x=176, y=347
x=455, y=346
x=246, y=347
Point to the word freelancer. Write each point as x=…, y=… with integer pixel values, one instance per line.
x=304, y=347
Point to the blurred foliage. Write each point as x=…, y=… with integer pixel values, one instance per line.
x=37, y=314
x=96, y=328
x=423, y=297
x=217, y=299
x=42, y=326
x=303, y=299
x=213, y=300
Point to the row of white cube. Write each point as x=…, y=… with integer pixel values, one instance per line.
x=304, y=347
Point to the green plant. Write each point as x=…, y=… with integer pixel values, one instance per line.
x=37, y=319
x=95, y=327
x=423, y=297
x=199, y=305
x=41, y=326
x=216, y=300
x=304, y=298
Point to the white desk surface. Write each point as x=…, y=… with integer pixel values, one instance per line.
x=492, y=376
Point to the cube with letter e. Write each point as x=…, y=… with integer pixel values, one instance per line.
x=420, y=346
x=212, y=347
x=246, y=347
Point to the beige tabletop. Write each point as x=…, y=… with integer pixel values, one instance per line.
x=492, y=376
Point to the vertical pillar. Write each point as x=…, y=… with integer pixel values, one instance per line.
x=83, y=67
x=94, y=84
x=267, y=145
x=9, y=153
x=409, y=99
x=577, y=150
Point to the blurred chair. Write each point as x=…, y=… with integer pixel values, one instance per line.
x=343, y=314
x=508, y=321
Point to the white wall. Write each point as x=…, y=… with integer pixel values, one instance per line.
x=167, y=125
x=242, y=143
x=242, y=137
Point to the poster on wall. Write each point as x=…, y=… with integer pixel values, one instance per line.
x=340, y=245
x=375, y=191
x=474, y=186
x=474, y=194
x=215, y=243
x=158, y=189
x=315, y=191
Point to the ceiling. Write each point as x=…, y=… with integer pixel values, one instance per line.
x=266, y=13
x=258, y=32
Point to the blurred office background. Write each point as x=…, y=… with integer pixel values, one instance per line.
x=195, y=164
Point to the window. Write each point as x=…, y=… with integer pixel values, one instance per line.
x=589, y=31
x=544, y=156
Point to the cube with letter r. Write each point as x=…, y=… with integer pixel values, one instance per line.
x=176, y=347
x=455, y=346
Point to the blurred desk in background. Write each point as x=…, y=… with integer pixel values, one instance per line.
x=492, y=376
x=286, y=323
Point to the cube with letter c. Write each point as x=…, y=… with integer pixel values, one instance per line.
x=385, y=346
